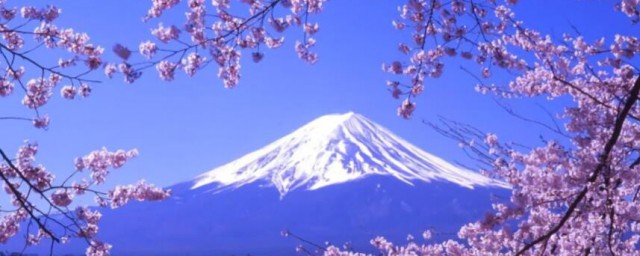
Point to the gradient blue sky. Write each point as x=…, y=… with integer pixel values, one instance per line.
x=191, y=125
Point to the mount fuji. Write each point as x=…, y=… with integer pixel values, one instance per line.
x=340, y=178
x=335, y=149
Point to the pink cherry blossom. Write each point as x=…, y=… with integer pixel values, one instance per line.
x=141, y=191
x=99, y=161
x=166, y=34
x=160, y=6
x=68, y=92
x=110, y=69
x=406, y=109
x=130, y=73
x=148, y=49
x=10, y=224
x=62, y=197
x=41, y=122
x=167, y=69
x=97, y=248
x=192, y=63
x=38, y=93
x=88, y=215
x=84, y=90
x=6, y=87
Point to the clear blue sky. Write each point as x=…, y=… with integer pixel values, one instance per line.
x=190, y=126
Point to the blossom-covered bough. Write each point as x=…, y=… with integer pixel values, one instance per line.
x=41, y=206
x=219, y=31
x=572, y=197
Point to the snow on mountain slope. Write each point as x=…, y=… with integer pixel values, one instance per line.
x=334, y=149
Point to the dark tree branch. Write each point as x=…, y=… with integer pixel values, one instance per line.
x=23, y=202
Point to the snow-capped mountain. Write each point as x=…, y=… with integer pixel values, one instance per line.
x=346, y=179
x=334, y=149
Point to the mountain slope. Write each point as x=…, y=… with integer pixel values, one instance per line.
x=249, y=220
x=334, y=149
x=346, y=179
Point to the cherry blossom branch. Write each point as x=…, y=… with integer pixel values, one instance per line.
x=556, y=129
x=16, y=118
x=50, y=70
x=231, y=35
x=23, y=203
x=604, y=158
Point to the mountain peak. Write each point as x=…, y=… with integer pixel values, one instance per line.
x=334, y=149
x=333, y=120
x=350, y=114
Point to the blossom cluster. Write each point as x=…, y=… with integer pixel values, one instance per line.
x=37, y=80
x=141, y=191
x=38, y=200
x=28, y=183
x=578, y=196
x=215, y=32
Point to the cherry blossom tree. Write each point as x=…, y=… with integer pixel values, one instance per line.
x=41, y=206
x=579, y=197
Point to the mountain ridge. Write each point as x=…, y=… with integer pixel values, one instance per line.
x=334, y=149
